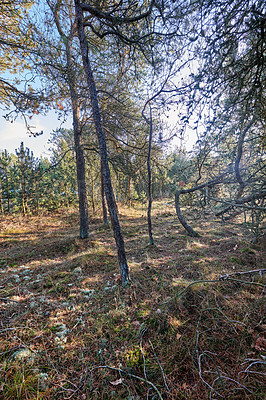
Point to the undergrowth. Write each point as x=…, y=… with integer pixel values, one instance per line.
x=70, y=331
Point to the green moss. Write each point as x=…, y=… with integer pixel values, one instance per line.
x=133, y=357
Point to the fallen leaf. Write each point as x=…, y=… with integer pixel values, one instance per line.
x=260, y=344
x=118, y=382
x=136, y=324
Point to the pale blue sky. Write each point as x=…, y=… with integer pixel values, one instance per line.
x=12, y=134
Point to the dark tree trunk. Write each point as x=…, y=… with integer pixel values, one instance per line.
x=239, y=152
x=103, y=150
x=82, y=195
x=182, y=220
x=105, y=216
x=150, y=182
x=1, y=202
x=129, y=191
x=80, y=161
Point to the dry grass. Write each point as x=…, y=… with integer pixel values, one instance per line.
x=88, y=338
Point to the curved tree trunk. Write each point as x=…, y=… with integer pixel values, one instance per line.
x=182, y=220
x=103, y=150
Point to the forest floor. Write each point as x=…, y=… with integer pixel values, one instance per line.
x=69, y=330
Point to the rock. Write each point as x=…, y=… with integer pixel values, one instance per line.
x=42, y=381
x=16, y=277
x=21, y=354
x=32, y=304
x=77, y=271
x=88, y=292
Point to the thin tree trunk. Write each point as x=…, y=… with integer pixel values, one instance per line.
x=103, y=150
x=24, y=200
x=1, y=202
x=150, y=182
x=92, y=196
x=239, y=152
x=105, y=216
x=129, y=191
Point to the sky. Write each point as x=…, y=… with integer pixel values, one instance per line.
x=12, y=134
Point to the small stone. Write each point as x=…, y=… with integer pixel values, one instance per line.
x=88, y=292
x=16, y=277
x=42, y=380
x=21, y=354
x=77, y=271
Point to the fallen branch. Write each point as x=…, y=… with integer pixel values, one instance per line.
x=210, y=184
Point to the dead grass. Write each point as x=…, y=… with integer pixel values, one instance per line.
x=88, y=338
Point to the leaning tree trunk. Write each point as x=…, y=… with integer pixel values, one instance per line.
x=103, y=150
x=182, y=220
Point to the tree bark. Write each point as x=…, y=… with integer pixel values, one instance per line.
x=104, y=209
x=102, y=144
x=182, y=220
x=239, y=152
x=150, y=182
x=80, y=167
x=80, y=161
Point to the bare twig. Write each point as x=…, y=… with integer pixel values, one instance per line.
x=7, y=299
x=200, y=372
x=231, y=380
x=254, y=271
x=143, y=355
x=255, y=362
x=121, y=371
x=222, y=279
x=162, y=371
x=2, y=284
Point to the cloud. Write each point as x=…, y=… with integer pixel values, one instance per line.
x=12, y=134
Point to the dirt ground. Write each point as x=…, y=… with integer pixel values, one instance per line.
x=69, y=330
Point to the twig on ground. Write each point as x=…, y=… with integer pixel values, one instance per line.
x=7, y=299
x=143, y=355
x=121, y=371
x=254, y=271
x=3, y=283
x=231, y=380
x=222, y=279
x=254, y=362
x=162, y=371
x=200, y=372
